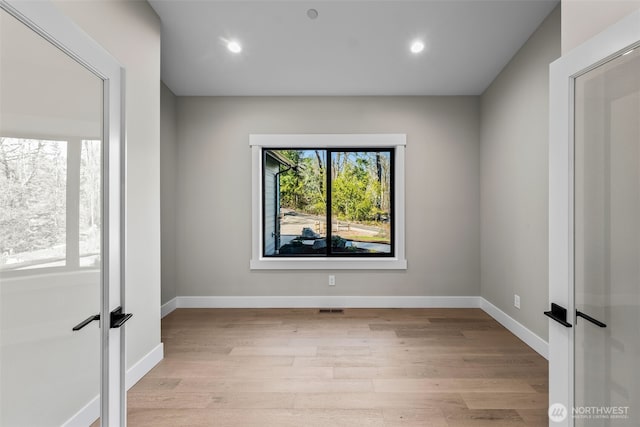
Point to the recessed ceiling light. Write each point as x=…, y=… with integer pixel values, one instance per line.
x=417, y=46
x=234, y=46
x=312, y=13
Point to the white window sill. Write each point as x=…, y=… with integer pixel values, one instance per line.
x=328, y=264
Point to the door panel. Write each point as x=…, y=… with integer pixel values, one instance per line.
x=51, y=130
x=607, y=243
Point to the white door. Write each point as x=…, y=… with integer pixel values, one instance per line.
x=60, y=223
x=607, y=244
x=595, y=232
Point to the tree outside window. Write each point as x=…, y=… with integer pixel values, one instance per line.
x=328, y=202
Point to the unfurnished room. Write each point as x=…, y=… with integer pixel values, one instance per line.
x=320, y=213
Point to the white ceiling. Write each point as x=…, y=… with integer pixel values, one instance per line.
x=352, y=48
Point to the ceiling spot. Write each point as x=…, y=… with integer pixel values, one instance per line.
x=417, y=46
x=234, y=46
x=312, y=13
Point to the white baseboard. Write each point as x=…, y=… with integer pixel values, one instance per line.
x=518, y=329
x=144, y=365
x=87, y=415
x=327, y=302
x=168, y=307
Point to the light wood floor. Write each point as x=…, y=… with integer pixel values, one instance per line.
x=366, y=367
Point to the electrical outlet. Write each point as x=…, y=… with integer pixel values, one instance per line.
x=516, y=301
x=332, y=280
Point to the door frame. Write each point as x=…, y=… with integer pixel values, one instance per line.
x=611, y=43
x=45, y=19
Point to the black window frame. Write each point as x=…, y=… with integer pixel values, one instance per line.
x=328, y=185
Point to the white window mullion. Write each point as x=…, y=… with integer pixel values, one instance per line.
x=74, y=147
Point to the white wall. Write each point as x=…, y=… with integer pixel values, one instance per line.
x=214, y=192
x=168, y=182
x=130, y=31
x=514, y=180
x=583, y=19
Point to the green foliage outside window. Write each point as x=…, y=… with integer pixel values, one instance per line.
x=360, y=184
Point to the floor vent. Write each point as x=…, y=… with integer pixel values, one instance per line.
x=331, y=310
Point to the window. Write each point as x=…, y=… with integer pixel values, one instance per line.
x=51, y=204
x=33, y=205
x=89, y=221
x=328, y=201
x=304, y=191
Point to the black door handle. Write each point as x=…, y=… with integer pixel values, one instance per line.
x=118, y=318
x=85, y=322
x=559, y=314
x=590, y=319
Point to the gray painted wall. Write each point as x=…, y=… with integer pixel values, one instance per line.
x=514, y=180
x=168, y=183
x=583, y=19
x=214, y=192
x=130, y=31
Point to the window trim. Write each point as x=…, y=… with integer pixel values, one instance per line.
x=396, y=142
